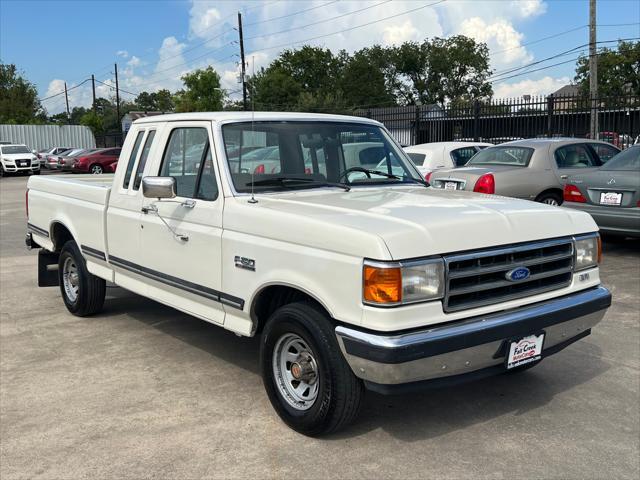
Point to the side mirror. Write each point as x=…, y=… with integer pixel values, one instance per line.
x=159, y=187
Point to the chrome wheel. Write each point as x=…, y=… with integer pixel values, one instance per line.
x=551, y=201
x=96, y=169
x=295, y=371
x=70, y=279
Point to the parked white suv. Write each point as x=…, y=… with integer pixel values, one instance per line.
x=353, y=277
x=17, y=158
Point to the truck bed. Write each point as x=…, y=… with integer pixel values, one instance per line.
x=62, y=198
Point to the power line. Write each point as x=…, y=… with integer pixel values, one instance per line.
x=290, y=14
x=63, y=91
x=556, y=35
x=352, y=28
x=318, y=22
x=558, y=55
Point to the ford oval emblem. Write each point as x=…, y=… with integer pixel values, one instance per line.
x=518, y=274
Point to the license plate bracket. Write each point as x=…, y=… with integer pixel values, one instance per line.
x=523, y=350
x=610, y=198
x=450, y=185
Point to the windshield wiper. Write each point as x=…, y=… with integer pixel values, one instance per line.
x=367, y=172
x=291, y=181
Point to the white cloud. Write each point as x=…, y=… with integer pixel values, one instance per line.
x=501, y=37
x=398, y=34
x=529, y=8
x=209, y=29
x=542, y=86
x=134, y=61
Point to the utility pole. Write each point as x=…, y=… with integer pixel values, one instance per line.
x=93, y=86
x=66, y=98
x=593, y=71
x=117, y=94
x=242, y=70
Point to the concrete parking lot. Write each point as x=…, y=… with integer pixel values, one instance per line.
x=142, y=390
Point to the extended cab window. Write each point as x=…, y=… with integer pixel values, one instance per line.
x=132, y=159
x=187, y=158
x=143, y=159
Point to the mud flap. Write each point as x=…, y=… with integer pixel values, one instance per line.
x=48, y=269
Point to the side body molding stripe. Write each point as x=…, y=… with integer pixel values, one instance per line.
x=176, y=282
x=37, y=230
x=92, y=252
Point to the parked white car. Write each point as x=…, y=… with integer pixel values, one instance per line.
x=353, y=278
x=17, y=158
x=433, y=156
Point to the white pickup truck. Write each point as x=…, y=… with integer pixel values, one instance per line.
x=353, y=277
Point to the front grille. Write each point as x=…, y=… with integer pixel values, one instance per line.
x=479, y=278
x=23, y=163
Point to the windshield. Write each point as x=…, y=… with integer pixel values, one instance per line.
x=628, y=159
x=511, y=156
x=316, y=152
x=14, y=149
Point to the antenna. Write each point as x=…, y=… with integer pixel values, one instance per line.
x=253, y=114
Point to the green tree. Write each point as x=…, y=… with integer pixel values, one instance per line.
x=18, y=98
x=618, y=71
x=160, y=101
x=298, y=80
x=440, y=71
x=94, y=121
x=202, y=92
x=362, y=82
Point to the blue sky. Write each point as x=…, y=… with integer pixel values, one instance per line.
x=154, y=42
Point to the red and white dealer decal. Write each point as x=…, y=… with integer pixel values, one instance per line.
x=526, y=350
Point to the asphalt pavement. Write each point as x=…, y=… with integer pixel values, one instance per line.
x=142, y=390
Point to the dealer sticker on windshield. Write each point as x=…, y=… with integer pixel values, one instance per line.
x=525, y=350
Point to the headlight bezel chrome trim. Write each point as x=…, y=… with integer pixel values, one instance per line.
x=595, y=236
x=402, y=264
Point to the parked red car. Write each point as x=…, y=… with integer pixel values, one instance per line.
x=96, y=162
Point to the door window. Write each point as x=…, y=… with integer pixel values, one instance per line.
x=143, y=159
x=574, y=156
x=461, y=156
x=132, y=159
x=185, y=158
x=604, y=152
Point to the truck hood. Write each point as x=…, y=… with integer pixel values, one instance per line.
x=411, y=221
x=470, y=174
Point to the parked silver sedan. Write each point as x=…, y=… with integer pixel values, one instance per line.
x=534, y=169
x=611, y=194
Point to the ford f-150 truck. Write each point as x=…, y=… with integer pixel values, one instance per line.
x=353, y=271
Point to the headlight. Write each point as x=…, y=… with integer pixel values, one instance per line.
x=588, y=252
x=399, y=283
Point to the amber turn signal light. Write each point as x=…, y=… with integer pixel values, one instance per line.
x=382, y=285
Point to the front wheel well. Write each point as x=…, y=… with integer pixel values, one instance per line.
x=269, y=299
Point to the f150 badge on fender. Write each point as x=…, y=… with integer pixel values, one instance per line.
x=245, y=263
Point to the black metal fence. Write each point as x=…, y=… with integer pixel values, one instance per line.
x=501, y=120
x=110, y=140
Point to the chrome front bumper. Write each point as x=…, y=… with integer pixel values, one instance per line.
x=463, y=348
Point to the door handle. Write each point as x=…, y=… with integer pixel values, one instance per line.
x=564, y=177
x=149, y=208
x=188, y=203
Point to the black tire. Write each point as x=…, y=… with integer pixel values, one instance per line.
x=339, y=390
x=36, y=172
x=550, y=197
x=91, y=289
